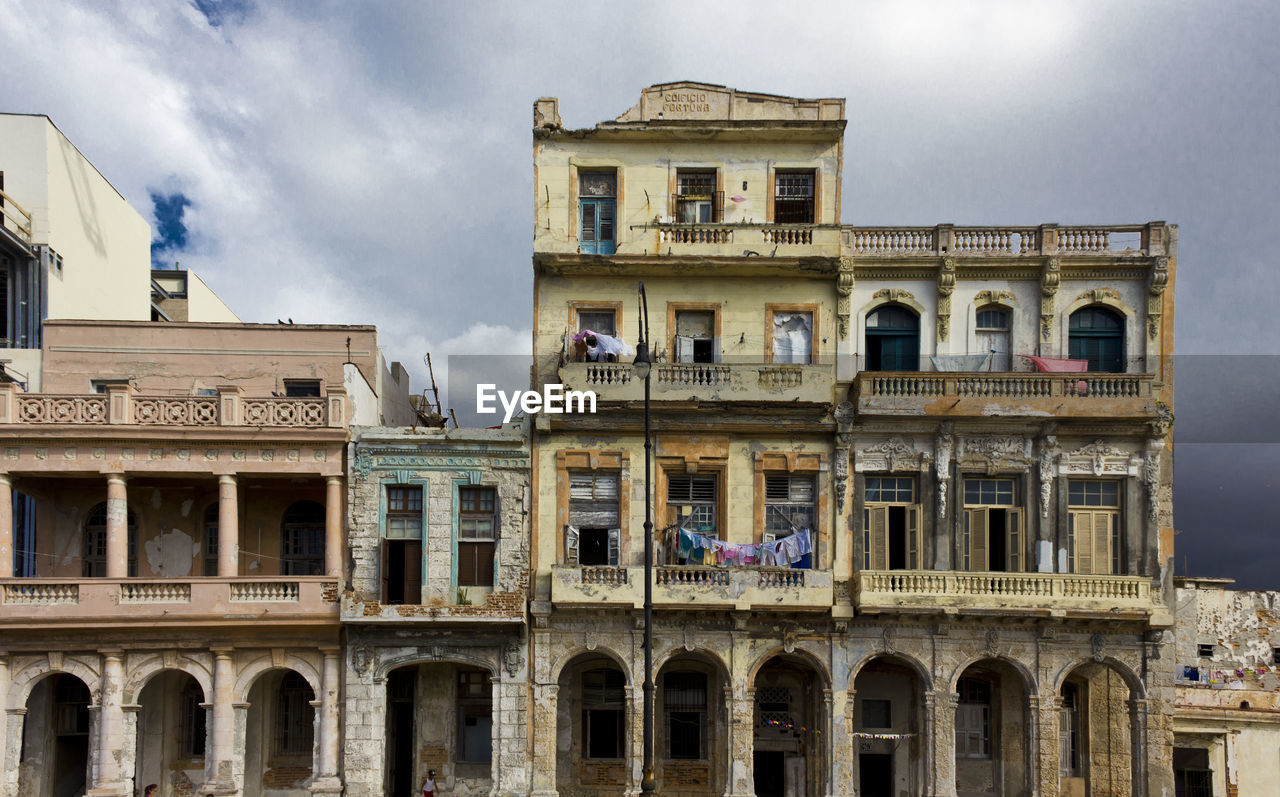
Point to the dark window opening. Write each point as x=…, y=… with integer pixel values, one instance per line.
x=192, y=720
x=1192, y=775
x=402, y=572
x=302, y=540
x=793, y=198
x=93, y=559
x=294, y=716
x=684, y=698
x=594, y=547
x=602, y=321
x=1069, y=732
x=695, y=340
x=302, y=388
x=1096, y=334
x=603, y=706
x=71, y=706
x=696, y=200
x=1204, y=651
x=477, y=536
x=475, y=716
x=210, y=558
x=877, y=713
x=893, y=339
x=997, y=561
x=401, y=685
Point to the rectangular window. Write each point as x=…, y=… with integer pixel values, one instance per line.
x=1093, y=527
x=603, y=711
x=603, y=321
x=475, y=716
x=302, y=388
x=1205, y=651
x=793, y=197
x=477, y=536
x=1069, y=732
x=597, y=206
x=302, y=551
x=684, y=702
x=192, y=721
x=593, y=519
x=100, y=385
x=691, y=503
x=992, y=533
x=695, y=338
x=402, y=545
x=696, y=200
x=294, y=717
x=791, y=333
x=891, y=536
x=789, y=505
x=877, y=714
x=973, y=719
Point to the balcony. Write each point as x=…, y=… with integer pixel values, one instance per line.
x=945, y=240
x=738, y=240
x=987, y=395
x=1033, y=594
x=106, y=602
x=491, y=607
x=740, y=588
x=120, y=406
x=703, y=382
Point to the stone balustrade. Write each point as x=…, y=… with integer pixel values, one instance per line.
x=738, y=239
x=184, y=601
x=120, y=405
x=703, y=381
x=1005, y=394
x=1051, y=594
x=678, y=586
x=1000, y=241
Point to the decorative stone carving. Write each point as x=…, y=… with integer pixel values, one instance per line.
x=364, y=463
x=896, y=453
x=946, y=287
x=894, y=295
x=1151, y=477
x=57, y=659
x=996, y=453
x=992, y=640
x=1096, y=642
x=1097, y=295
x=511, y=659
x=362, y=661
x=942, y=445
x=1097, y=458
x=1048, y=452
x=1163, y=421
x=993, y=297
x=1156, y=284
x=886, y=639
x=842, y=475
x=1050, y=278
x=844, y=290
x=790, y=635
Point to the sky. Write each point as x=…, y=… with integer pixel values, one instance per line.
x=339, y=162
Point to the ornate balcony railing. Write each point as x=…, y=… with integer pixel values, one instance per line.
x=1005, y=394
x=119, y=405
x=694, y=587
x=704, y=381
x=1001, y=241
x=1043, y=593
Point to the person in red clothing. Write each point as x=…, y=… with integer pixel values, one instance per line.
x=429, y=788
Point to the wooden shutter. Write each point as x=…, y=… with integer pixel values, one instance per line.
x=570, y=545
x=978, y=521
x=1101, y=543
x=615, y=545
x=879, y=537
x=1013, y=541
x=412, y=571
x=684, y=349
x=913, y=538
x=385, y=569
x=1082, y=542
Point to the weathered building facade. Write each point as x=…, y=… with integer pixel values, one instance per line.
x=975, y=577
x=1227, y=682
x=436, y=676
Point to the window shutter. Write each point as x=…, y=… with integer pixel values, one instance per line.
x=913, y=538
x=1101, y=543
x=1083, y=540
x=615, y=545
x=979, y=527
x=880, y=538
x=412, y=572
x=684, y=349
x=386, y=568
x=570, y=545
x=1013, y=545
x=588, y=222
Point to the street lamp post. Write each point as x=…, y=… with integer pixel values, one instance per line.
x=643, y=365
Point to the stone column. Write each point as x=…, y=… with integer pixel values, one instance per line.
x=4, y=721
x=545, y=702
x=1137, y=745
x=333, y=526
x=228, y=527
x=14, y=719
x=325, y=780
x=1049, y=741
x=220, y=778
x=110, y=735
x=840, y=744
x=944, y=743
x=926, y=731
x=742, y=743
x=1032, y=744
x=6, y=526
x=117, y=527
x=635, y=740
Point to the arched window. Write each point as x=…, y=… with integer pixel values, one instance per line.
x=893, y=339
x=1096, y=334
x=93, y=559
x=992, y=328
x=302, y=540
x=211, y=540
x=294, y=716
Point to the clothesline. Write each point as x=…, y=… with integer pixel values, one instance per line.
x=789, y=551
x=890, y=736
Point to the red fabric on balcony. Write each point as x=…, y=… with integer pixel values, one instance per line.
x=1052, y=364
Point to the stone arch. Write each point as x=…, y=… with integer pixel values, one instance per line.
x=1137, y=689
x=1134, y=337
x=385, y=668
x=705, y=655
x=807, y=656
x=904, y=659
x=1028, y=678
x=22, y=682
x=250, y=673
x=1105, y=297
x=577, y=651
x=142, y=674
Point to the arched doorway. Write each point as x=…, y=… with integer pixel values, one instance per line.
x=788, y=731
x=593, y=725
x=691, y=738
x=279, y=735
x=991, y=726
x=302, y=540
x=439, y=716
x=1096, y=334
x=171, y=734
x=1096, y=740
x=893, y=339
x=889, y=748
x=93, y=557
x=55, y=738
